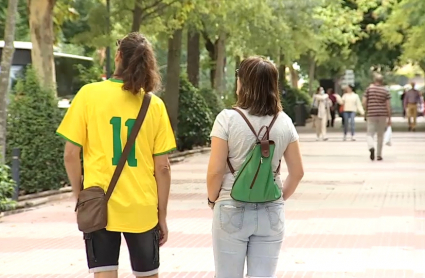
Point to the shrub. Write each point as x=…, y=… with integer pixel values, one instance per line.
x=195, y=118
x=89, y=75
x=290, y=99
x=214, y=102
x=32, y=121
x=229, y=99
x=6, y=189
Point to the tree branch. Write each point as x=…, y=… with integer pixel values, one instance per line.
x=156, y=3
x=158, y=10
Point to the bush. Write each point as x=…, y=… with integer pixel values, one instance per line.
x=6, y=189
x=229, y=99
x=290, y=99
x=32, y=121
x=195, y=118
x=214, y=102
x=89, y=75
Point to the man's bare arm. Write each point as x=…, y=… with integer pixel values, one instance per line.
x=73, y=167
x=163, y=180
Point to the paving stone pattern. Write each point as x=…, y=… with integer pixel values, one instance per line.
x=350, y=217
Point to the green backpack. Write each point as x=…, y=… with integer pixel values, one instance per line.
x=255, y=181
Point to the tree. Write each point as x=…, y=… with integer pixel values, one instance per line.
x=42, y=38
x=6, y=62
x=193, y=56
x=145, y=10
x=21, y=26
x=171, y=97
x=405, y=26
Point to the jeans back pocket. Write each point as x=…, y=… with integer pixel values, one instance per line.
x=276, y=216
x=231, y=218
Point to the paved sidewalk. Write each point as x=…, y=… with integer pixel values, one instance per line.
x=350, y=217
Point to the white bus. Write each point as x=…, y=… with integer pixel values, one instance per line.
x=67, y=75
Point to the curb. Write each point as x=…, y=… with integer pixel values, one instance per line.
x=30, y=201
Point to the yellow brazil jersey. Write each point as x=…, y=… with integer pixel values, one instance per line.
x=100, y=120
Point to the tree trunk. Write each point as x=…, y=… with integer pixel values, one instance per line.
x=311, y=73
x=422, y=65
x=282, y=72
x=294, y=77
x=41, y=28
x=193, y=56
x=137, y=17
x=6, y=62
x=219, y=70
x=237, y=64
x=212, y=53
x=171, y=97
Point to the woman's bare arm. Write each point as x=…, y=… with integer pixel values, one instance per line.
x=216, y=167
x=294, y=163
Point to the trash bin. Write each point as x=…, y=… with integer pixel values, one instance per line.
x=300, y=113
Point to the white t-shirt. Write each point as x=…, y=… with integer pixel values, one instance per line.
x=230, y=126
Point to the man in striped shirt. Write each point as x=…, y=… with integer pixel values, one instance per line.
x=378, y=113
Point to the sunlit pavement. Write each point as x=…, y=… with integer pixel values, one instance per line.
x=350, y=217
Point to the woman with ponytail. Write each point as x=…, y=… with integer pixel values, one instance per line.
x=98, y=124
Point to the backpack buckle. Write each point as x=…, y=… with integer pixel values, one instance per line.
x=265, y=148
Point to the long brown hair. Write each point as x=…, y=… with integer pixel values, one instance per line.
x=259, y=90
x=138, y=68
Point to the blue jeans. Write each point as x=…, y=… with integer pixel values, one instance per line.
x=248, y=231
x=349, y=120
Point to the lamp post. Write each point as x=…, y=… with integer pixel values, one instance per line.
x=108, y=30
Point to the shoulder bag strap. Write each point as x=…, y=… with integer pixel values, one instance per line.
x=130, y=142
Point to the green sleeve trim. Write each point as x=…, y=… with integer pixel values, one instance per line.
x=69, y=140
x=167, y=152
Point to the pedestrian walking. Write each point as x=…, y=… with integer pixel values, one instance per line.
x=125, y=135
x=378, y=114
x=411, y=101
x=402, y=102
x=323, y=104
x=245, y=188
x=334, y=106
x=351, y=106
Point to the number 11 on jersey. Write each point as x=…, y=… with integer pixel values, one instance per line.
x=117, y=144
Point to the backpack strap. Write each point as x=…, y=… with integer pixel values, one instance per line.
x=265, y=137
x=247, y=121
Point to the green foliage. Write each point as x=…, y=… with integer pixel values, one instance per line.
x=214, y=102
x=32, y=121
x=22, y=25
x=229, y=100
x=404, y=27
x=195, y=118
x=290, y=99
x=6, y=189
x=89, y=75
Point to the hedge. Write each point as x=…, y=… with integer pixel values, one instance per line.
x=195, y=118
x=290, y=99
x=7, y=186
x=32, y=121
x=214, y=102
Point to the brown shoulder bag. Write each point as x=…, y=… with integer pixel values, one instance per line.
x=92, y=203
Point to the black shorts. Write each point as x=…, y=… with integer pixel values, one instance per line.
x=103, y=250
